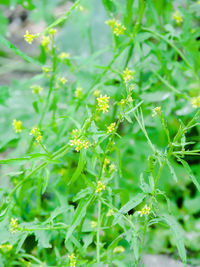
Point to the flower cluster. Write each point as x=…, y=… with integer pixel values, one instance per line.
x=100, y=187
x=177, y=17
x=36, y=132
x=111, y=127
x=72, y=259
x=29, y=37
x=116, y=26
x=14, y=225
x=17, y=126
x=156, y=111
x=45, y=42
x=36, y=89
x=144, y=211
x=79, y=143
x=128, y=75
x=62, y=80
x=103, y=103
x=196, y=102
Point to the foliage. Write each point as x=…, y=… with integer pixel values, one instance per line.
x=100, y=147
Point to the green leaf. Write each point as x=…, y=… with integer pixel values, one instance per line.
x=45, y=181
x=4, y=95
x=43, y=238
x=78, y=216
x=17, y=51
x=178, y=235
x=128, y=206
x=80, y=166
x=190, y=173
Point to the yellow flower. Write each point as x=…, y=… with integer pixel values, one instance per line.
x=79, y=143
x=110, y=213
x=128, y=75
x=36, y=89
x=103, y=103
x=144, y=211
x=119, y=249
x=62, y=80
x=177, y=17
x=45, y=42
x=116, y=26
x=46, y=69
x=96, y=93
x=36, y=132
x=17, y=126
x=93, y=224
x=78, y=92
x=196, y=102
x=29, y=37
x=52, y=32
x=72, y=259
x=119, y=29
x=156, y=111
x=14, y=225
x=199, y=2
x=111, y=127
x=106, y=161
x=63, y=55
x=100, y=187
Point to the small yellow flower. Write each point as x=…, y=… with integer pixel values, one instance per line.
x=96, y=93
x=177, y=17
x=103, y=103
x=119, y=249
x=36, y=132
x=111, y=127
x=45, y=40
x=79, y=143
x=36, y=89
x=196, y=102
x=52, y=32
x=29, y=37
x=119, y=29
x=116, y=26
x=100, y=187
x=63, y=55
x=17, y=126
x=156, y=111
x=78, y=92
x=72, y=259
x=14, y=225
x=46, y=69
x=110, y=213
x=62, y=80
x=93, y=224
x=106, y=161
x=199, y=2
x=144, y=211
x=111, y=22
x=128, y=75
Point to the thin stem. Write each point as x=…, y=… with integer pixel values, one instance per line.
x=98, y=230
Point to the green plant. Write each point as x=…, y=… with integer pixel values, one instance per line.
x=98, y=175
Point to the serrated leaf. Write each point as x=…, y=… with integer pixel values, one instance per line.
x=178, y=235
x=43, y=238
x=128, y=206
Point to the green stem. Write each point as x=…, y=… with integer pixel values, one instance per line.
x=98, y=230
